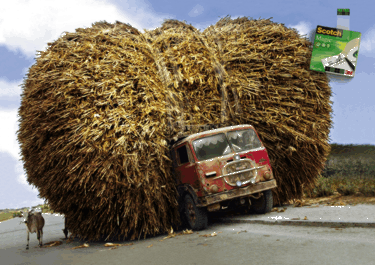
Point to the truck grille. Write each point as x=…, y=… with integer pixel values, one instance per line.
x=246, y=169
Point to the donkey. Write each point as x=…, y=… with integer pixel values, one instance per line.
x=34, y=224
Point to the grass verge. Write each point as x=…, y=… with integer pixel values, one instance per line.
x=344, y=185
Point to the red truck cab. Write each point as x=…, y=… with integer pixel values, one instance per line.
x=217, y=167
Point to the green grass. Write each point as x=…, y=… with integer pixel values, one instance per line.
x=368, y=190
x=321, y=188
x=6, y=216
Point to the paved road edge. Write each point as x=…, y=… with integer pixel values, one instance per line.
x=297, y=223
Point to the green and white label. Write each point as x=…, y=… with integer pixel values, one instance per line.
x=335, y=51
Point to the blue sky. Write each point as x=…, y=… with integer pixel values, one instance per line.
x=28, y=25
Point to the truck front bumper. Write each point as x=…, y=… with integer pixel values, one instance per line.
x=237, y=192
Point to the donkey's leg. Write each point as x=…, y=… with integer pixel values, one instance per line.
x=38, y=236
x=41, y=238
x=27, y=246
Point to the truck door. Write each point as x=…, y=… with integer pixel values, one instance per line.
x=186, y=166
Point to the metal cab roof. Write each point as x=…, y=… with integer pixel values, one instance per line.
x=210, y=132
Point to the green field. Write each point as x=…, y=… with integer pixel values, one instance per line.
x=349, y=170
x=6, y=216
x=15, y=214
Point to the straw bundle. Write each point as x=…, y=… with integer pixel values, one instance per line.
x=191, y=73
x=100, y=104
x=91, y=136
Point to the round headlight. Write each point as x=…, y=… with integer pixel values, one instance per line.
x=267, y=176
x=238, y=183
x=214, y=188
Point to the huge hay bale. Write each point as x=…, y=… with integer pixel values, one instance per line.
x=100, y=104
x=91, y=134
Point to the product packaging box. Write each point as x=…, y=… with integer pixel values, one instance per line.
x=335, y=51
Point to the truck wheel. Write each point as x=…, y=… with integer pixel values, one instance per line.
x=264, y=204
x=195, y=217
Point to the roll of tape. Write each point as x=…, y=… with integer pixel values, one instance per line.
x=351, y=56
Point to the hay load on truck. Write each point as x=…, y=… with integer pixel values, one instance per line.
x=97, y=105
x=219, y=168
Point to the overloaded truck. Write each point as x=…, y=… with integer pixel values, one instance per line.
x=220, y=168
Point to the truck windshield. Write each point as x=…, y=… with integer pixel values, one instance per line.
x=243, y=140
x=211, y=146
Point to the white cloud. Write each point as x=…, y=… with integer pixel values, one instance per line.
x=302, y=27
x=8, y=137
x=196, y=11
x=9, y=144
x=367, y=45
x=9, y=89
x=26, y=203
x=21, y=179
x=28, y=25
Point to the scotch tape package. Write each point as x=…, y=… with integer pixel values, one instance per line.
x=335, y=51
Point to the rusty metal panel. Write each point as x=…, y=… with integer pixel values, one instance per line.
x=240, y=192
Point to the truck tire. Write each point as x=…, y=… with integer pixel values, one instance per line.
x=195, y=217
x=264, y=204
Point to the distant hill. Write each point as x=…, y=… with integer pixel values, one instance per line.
x=350, y=160
x=352, y=150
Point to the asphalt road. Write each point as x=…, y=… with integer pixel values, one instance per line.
x=233, y=244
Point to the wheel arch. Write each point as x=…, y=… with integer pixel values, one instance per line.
x=187, y=189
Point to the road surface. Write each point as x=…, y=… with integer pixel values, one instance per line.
x=233, y=244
